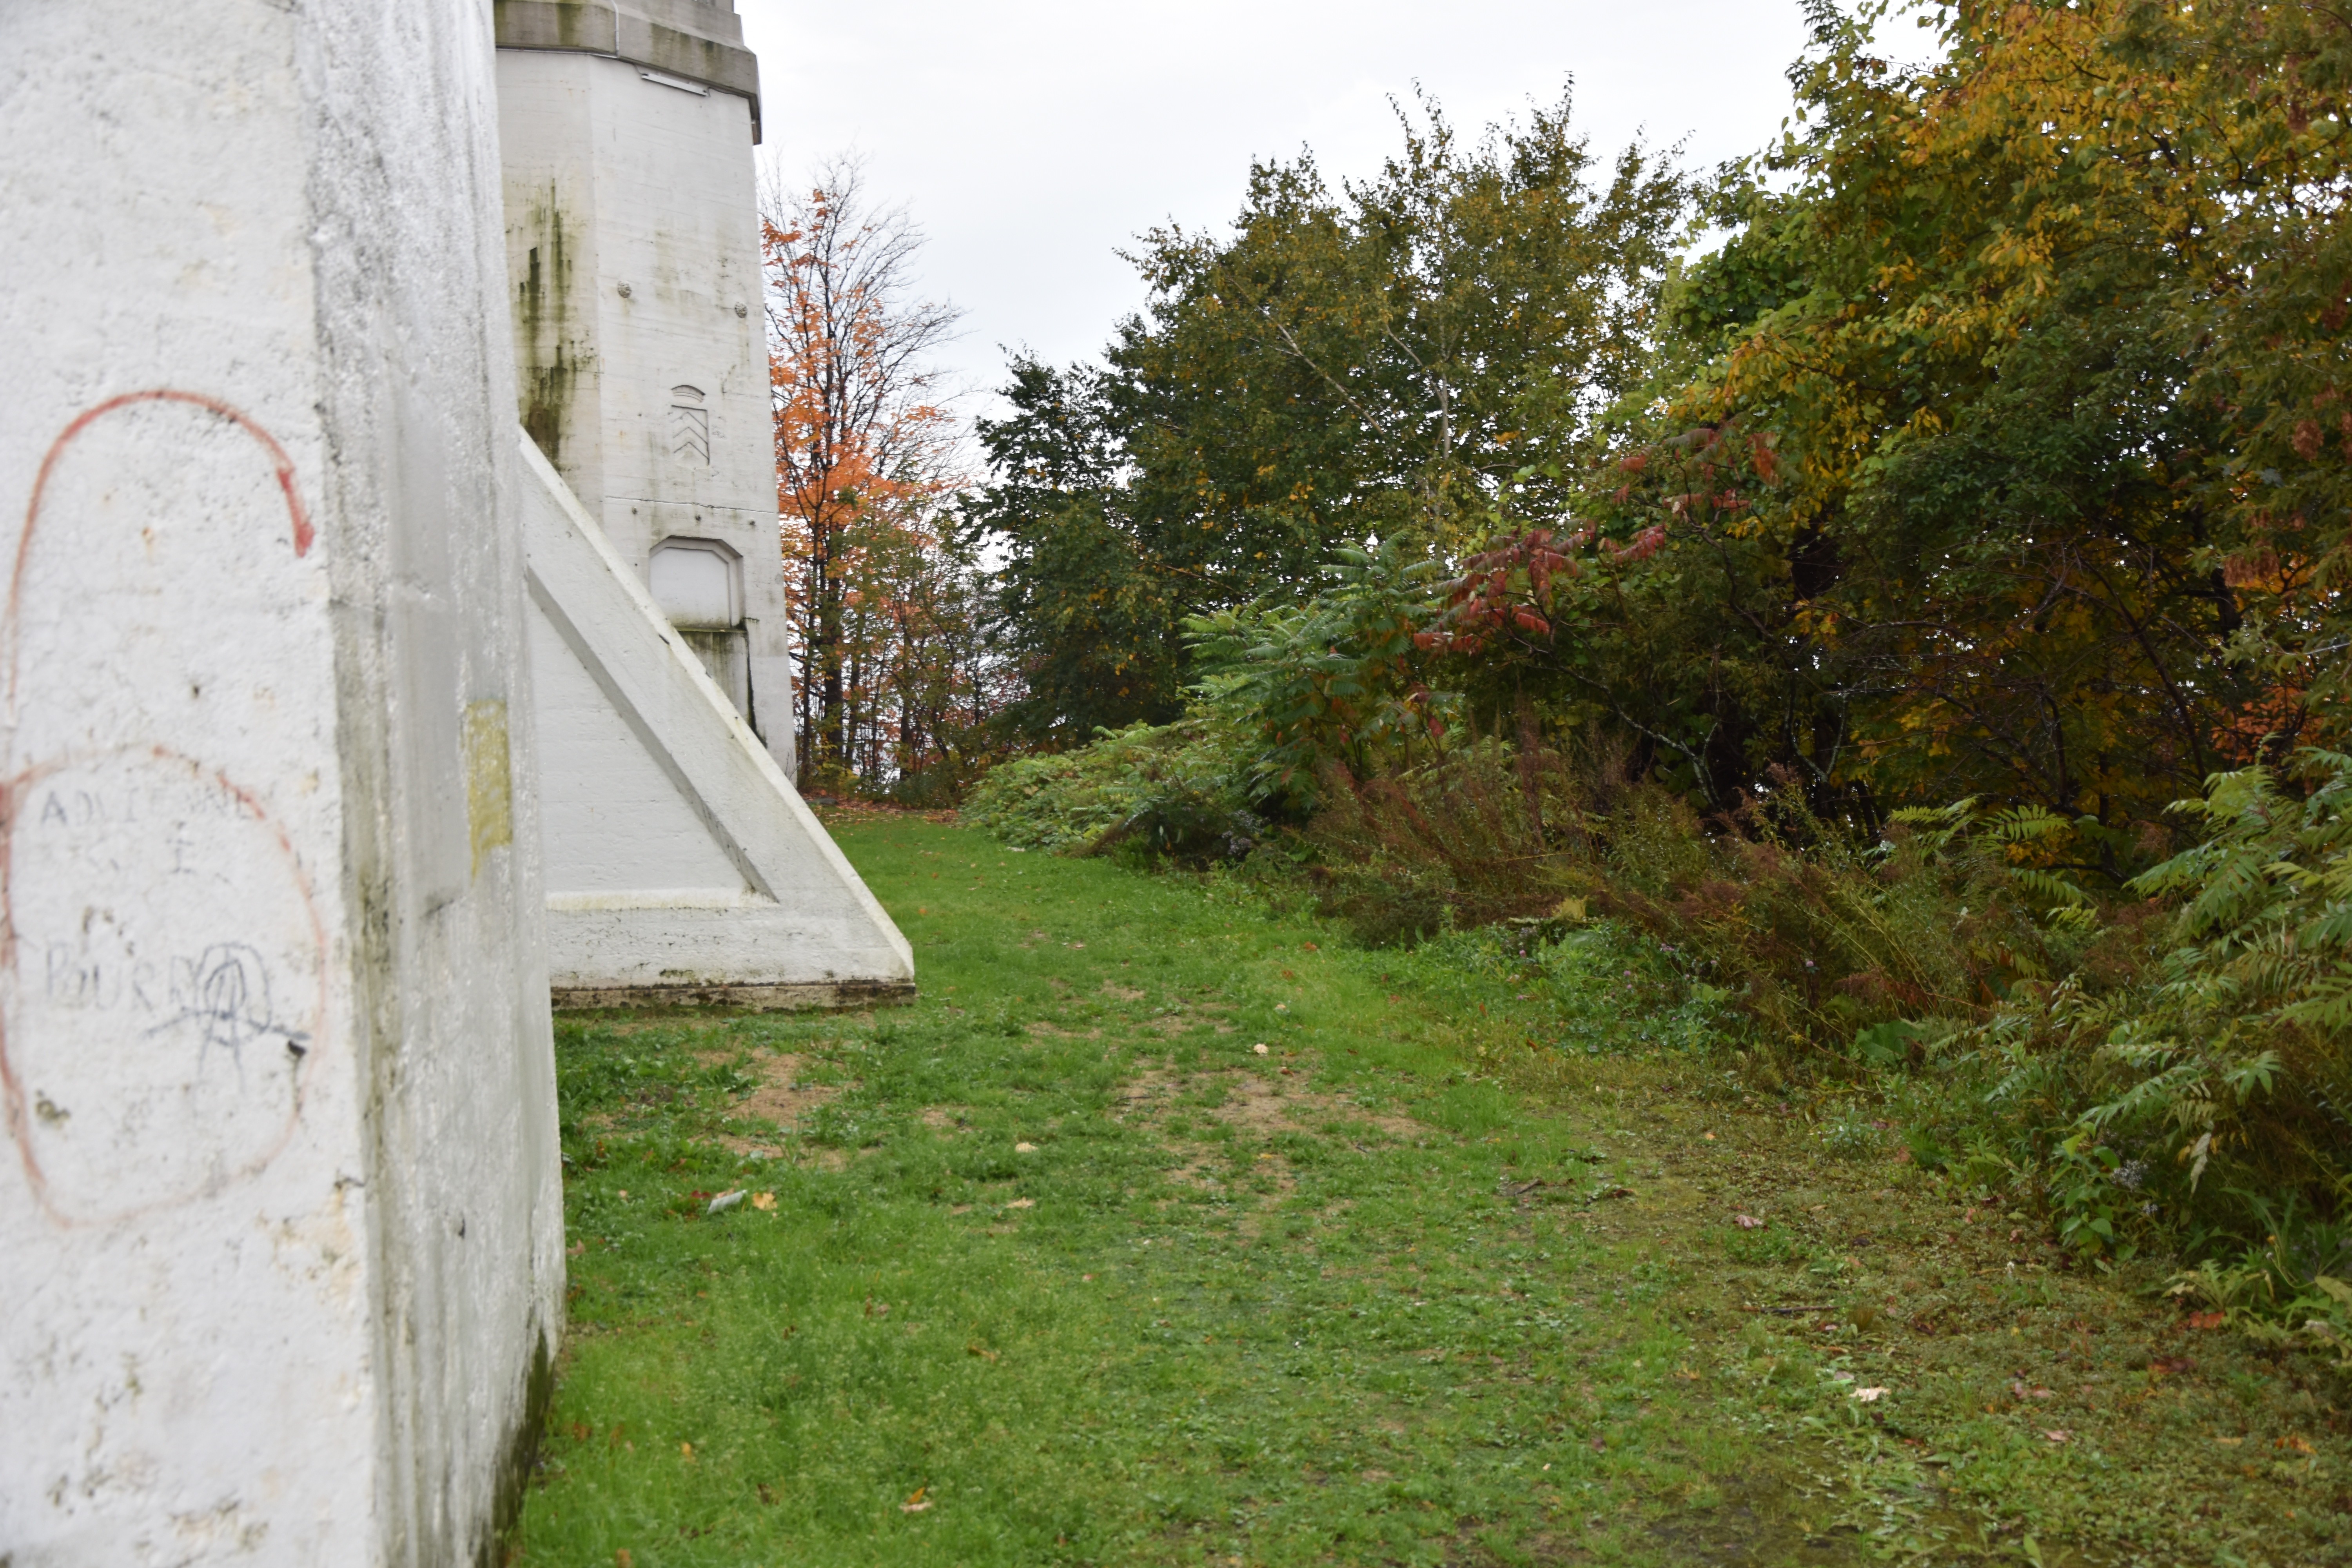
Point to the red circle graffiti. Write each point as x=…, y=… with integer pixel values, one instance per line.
x=14, y=790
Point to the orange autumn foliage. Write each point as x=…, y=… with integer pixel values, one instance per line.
x=884, y=618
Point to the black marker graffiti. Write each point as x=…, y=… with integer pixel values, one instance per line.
x=225, y=997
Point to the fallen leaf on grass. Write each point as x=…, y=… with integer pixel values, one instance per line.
x=2059, y=1435
x=1870, y=1395
x=1260, y=1047
x=1024, y=1147
x=917, y=1503
x=1022, y=1204
x=763, y=1200
x=686, y=1451
x=2300, y=1444
x=621, y=1558
x=2171, y=1363
x=1746, y=1222
x=2207, y=1320
x=2229, y=1442
x=982, y=1352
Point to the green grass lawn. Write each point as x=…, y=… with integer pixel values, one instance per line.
x=1166, y=1229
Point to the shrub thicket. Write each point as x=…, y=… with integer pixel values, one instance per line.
x=1171, y=789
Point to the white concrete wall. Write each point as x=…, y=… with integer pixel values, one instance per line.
x=681, y=865
x=280, y=1215
x=634, y=241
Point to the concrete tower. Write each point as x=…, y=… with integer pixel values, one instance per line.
x=681, y=865
x=632, y=235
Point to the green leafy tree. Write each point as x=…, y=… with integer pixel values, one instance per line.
x=1386, y=359
x=1390, y=360
x=1938, y=481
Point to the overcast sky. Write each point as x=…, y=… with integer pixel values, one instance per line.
x=1033, y=139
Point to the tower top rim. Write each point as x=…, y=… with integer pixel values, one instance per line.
x=700, y=41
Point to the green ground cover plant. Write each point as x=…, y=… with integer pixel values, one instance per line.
x=1489, y=1255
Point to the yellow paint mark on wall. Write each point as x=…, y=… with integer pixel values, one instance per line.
x=490, y=786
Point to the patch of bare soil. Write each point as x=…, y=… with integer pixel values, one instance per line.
x=1269, y=1106
x=1147, y=1099
x=1148, y=1095
x=782, y=1097
x=1118, y=993
x=1262, y=1107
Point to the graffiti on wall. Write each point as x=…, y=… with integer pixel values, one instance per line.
x=163, y=961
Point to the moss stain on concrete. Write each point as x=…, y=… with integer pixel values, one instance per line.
x=551, y=365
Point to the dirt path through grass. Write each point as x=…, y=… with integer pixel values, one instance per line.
x=1164, y=1231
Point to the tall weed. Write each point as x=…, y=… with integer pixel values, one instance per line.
x=1820, y=934
x=1481, y=835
